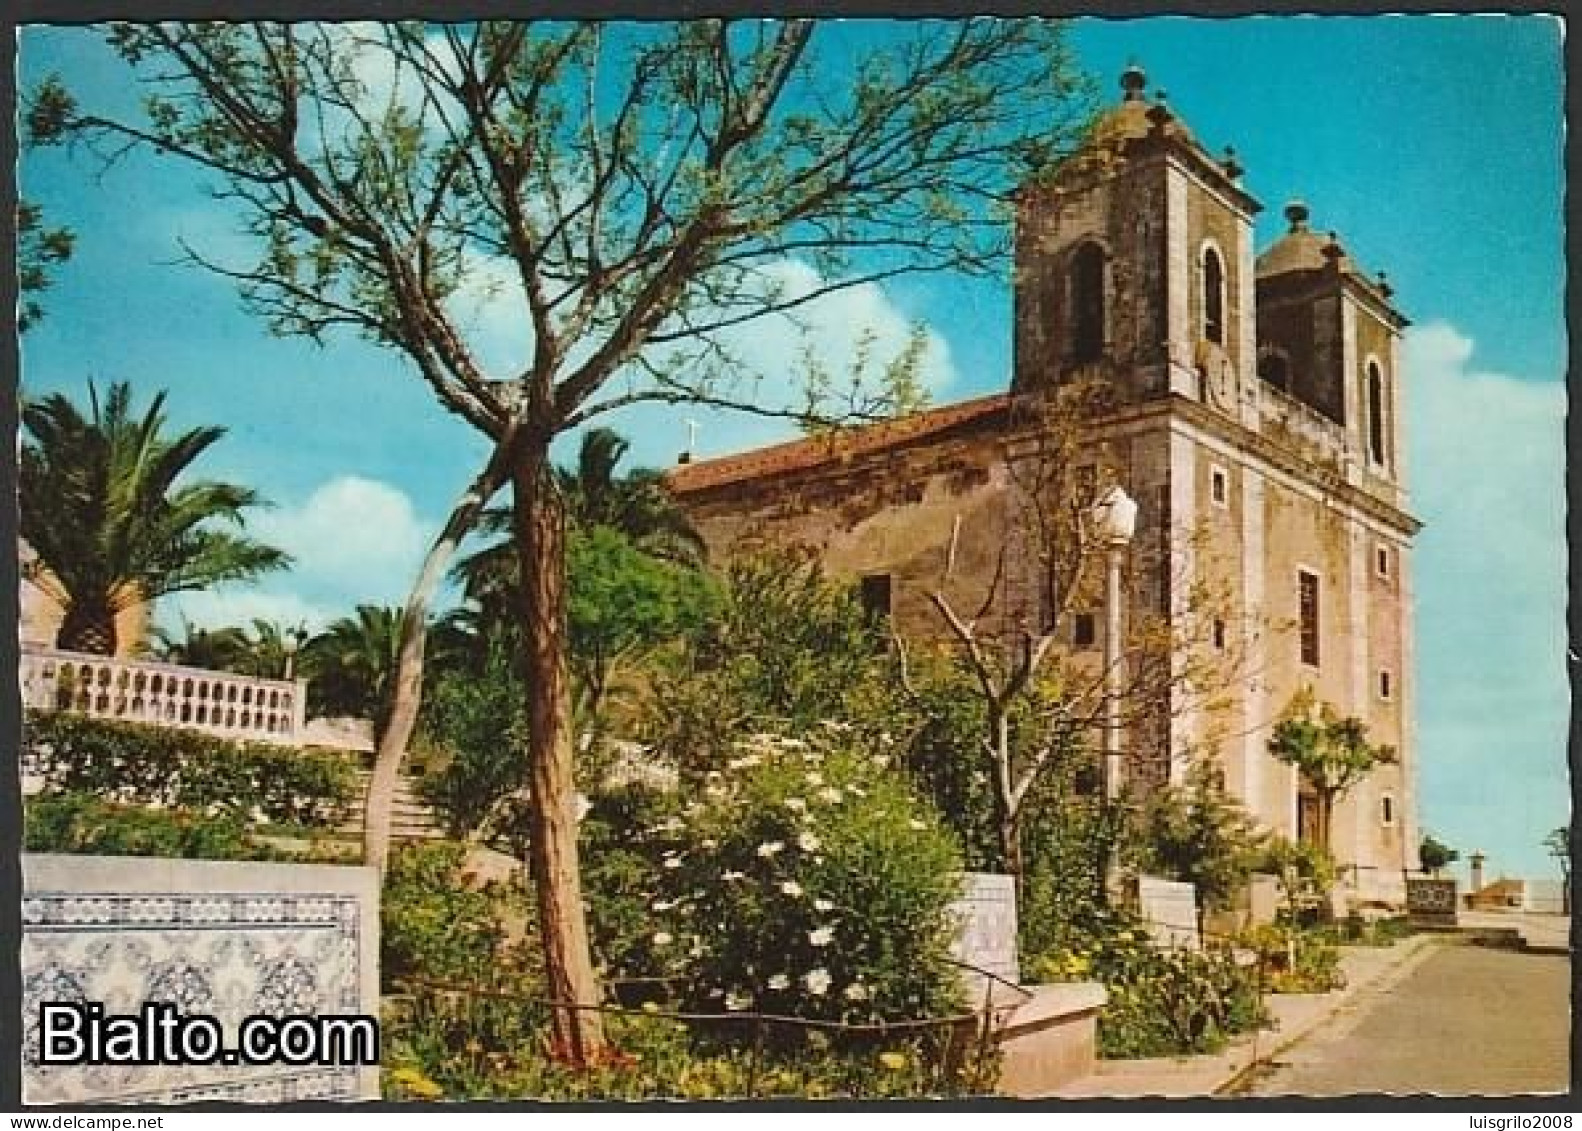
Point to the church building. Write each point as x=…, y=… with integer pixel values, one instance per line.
x=1254, y=413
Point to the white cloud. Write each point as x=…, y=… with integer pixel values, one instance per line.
x=1487, y=458
x=353, y=540
x=770, y=352
x=235, y=605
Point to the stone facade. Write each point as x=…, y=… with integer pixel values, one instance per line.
x=1254, y=412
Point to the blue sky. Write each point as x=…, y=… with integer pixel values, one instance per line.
x=1433, y=145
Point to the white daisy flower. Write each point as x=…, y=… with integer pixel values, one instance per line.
x=732, y=876
x=916, y=824
x=791, y=887
x=821, y=937
x=807, y=842
x=830, y=794
x=817, y=982
x=738, y=1002
x=778, y=981
x=823, y=905
x=856, y=992
x=662, y=938
x=813, y=777
x=769, y=848
x=795, y=804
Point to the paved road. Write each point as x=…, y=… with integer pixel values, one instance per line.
x=1469, y=1020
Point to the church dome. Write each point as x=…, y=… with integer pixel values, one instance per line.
x=1301, y=248
x=1134, y=117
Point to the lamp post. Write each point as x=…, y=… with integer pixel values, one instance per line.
x=1115, y=518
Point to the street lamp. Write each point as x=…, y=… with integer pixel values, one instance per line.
x=1115, y=521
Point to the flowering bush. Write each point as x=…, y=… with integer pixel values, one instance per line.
x=1161, y=1002
x=1295, y=960
x=440, y=1049
x=807, y=880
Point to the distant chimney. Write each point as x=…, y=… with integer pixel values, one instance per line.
x=1477, y=871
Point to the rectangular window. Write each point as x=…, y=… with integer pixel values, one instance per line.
x=1382, y=561
x=1219, y=635
x=1083, y=634
x=1387, y=810
x=1385, y=690
x=874, y=593
x=1307, y=615
x=1219, y=489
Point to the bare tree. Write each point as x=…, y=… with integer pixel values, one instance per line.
x=636, y=191
x=1048, y=567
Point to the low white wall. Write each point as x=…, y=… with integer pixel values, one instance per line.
x=228, y=939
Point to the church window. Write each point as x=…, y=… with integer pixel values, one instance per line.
x=1219, y=490
x=1385, y=688
x=1376, y=414
x=1219, y=635
x=1307, y=615
x=1387, y=810
x=1382, y=561
x=875, y=596
x=1213, y=296
x=1083, y=632
x=1086, y=293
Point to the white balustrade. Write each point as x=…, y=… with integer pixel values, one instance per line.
x=218, y=703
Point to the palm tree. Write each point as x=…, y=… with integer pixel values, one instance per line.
x=102, y=509
x=635, y=504
x=216, y=649
x=351, y=665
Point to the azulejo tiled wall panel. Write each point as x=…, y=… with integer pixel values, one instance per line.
x=226, y=939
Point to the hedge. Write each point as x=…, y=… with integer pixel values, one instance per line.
x=185, y=769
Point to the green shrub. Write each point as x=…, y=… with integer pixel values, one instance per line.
x=169, y=766
x=1296, y=960
x=433, y=925
x=809, y=881
x=1355, y=930
x=494, y=1049
x=83, y=825
x=1161, y=1002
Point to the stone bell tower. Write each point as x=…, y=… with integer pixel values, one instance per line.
x=1134, y=263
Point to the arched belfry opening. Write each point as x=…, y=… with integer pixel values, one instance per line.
x=1085, y=288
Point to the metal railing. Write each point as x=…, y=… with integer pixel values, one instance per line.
x=961, y=1046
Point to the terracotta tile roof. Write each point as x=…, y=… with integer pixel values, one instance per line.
x=800, y=455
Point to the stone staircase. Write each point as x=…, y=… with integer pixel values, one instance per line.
x=411, y=818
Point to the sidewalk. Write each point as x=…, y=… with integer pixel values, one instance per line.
x=1293, y=1016
x=1544, y=934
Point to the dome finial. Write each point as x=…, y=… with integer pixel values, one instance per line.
x=1133, y=81
x=1296, y=213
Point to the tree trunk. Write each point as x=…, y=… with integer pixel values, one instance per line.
x=407, y=697
x=578, y=1033
x=89, y=626
x=1006, y=817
